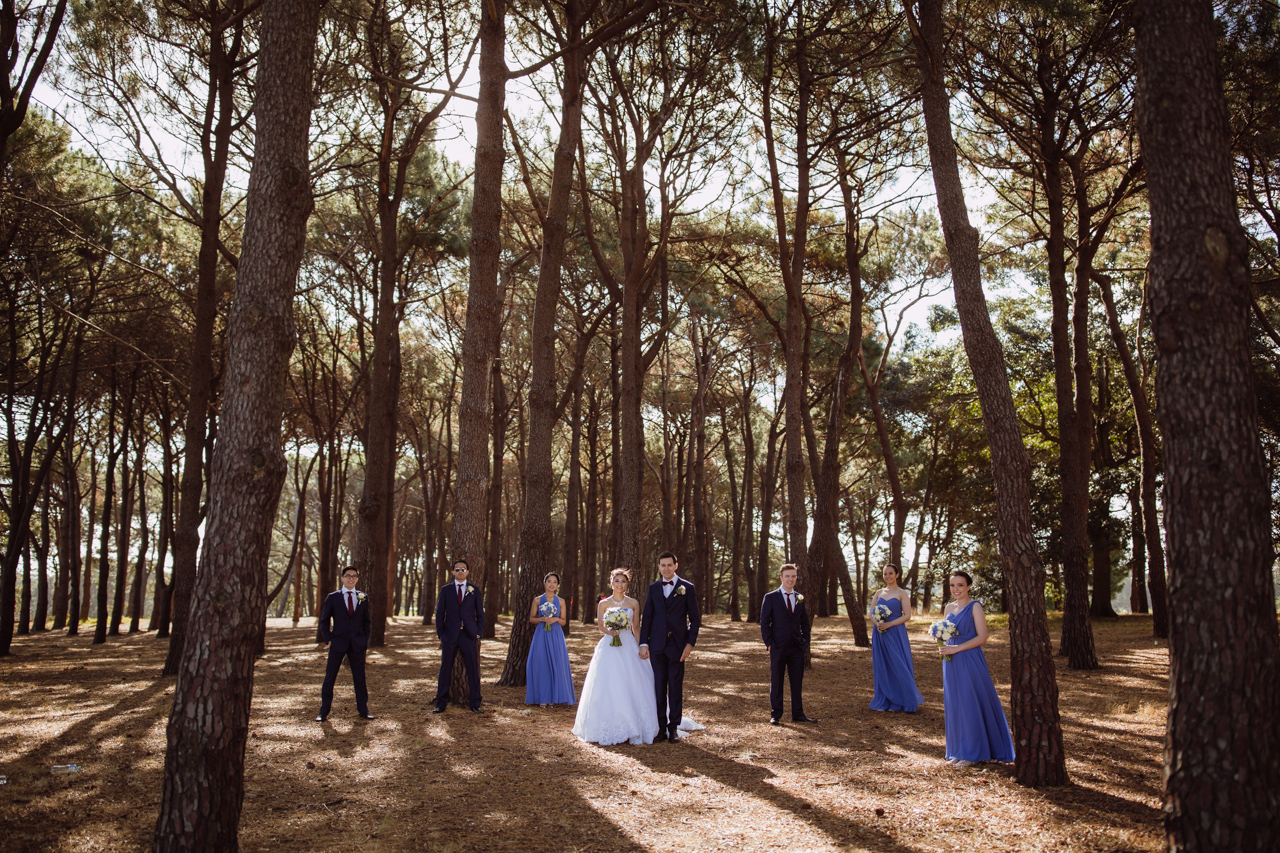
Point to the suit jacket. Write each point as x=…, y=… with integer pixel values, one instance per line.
x=779, y=626
x=672, y=619
x=343, y=628
x=454, y=619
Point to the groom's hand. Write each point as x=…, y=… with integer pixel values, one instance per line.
x=644, y=653
x=688, y=650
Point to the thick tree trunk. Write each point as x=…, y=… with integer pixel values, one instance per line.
x=204, y=763
x=537, y=537
x=1037, y=728
x=480, y=338
x=1222, y=750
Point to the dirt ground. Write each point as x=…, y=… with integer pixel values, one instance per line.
x=516, y=779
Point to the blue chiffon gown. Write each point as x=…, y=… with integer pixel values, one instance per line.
x=892, y=670
x=977, y=729
x=548, y=680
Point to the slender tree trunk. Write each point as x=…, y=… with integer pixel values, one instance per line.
x=1137, y=563
x=124, y=522
x=66, y=596
x=108, y=498
x=591, y=541
x=204, y=764
x=1037, y=728
x=139, y=588
x=1150, y=461
x=81, y=614
x=220, y=119
x=1222, y=749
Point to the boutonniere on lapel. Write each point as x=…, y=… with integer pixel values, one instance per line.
x=361, y=598
x=799, y=598
x=470, y=589
x=680, y=590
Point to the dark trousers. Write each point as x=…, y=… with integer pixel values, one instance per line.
x=449, y=651
x=786, y=660
x=668, y=687
x=355, y=659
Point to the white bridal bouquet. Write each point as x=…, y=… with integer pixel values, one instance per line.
x=942, y=631
x=617, y=619
x=881, y=613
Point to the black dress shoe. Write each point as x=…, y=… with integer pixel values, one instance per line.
x=366, y=716
x=438, y=709
x=803, y=718
x=321, y=717
x=659, y=737
x=476, y=711
x=673, y=737
x=775, y=721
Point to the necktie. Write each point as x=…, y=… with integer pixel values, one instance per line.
x=351, y=608
x=790, y=609
x=668, y=583
x=459, y=586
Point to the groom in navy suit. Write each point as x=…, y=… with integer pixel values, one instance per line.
x=668, y=633
x=459, y=623
x=344, y=625
x=784, y=626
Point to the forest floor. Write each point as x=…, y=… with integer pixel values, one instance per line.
x=515, y=778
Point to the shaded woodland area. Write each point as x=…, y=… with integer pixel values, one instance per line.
x=971, y=285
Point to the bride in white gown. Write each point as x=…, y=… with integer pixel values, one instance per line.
x=617, y=700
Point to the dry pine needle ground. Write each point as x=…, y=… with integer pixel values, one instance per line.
x=515, y=779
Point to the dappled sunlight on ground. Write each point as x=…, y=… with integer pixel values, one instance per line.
x=514, y=778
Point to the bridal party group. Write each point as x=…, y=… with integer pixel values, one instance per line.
x=634, y=686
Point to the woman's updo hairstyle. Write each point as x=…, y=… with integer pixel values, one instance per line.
x=550, y=575
x=625, y=574
x=959, y=574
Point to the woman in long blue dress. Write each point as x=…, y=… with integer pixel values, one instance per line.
x=548, y=679
x=977, y=729
x=892, y=669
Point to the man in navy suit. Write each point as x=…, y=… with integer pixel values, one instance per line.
x=344, y=625
x=784, y=626
x=668, y=633
x=459, y=623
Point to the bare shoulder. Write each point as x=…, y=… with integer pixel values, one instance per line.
x=632, y=603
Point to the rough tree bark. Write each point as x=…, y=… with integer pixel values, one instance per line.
x=1222, y=749
x=1037, y=729
x=204, y=763
x=480, y=338
x=219, y=124
x=537, y=536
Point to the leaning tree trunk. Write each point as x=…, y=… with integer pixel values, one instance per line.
x=204, y=763
x=1037, y=728
x=1222, y=749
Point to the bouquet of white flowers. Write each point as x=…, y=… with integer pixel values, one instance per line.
x=942, y=631
x=617, y=619
x=547, y=608
x=881, y=613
